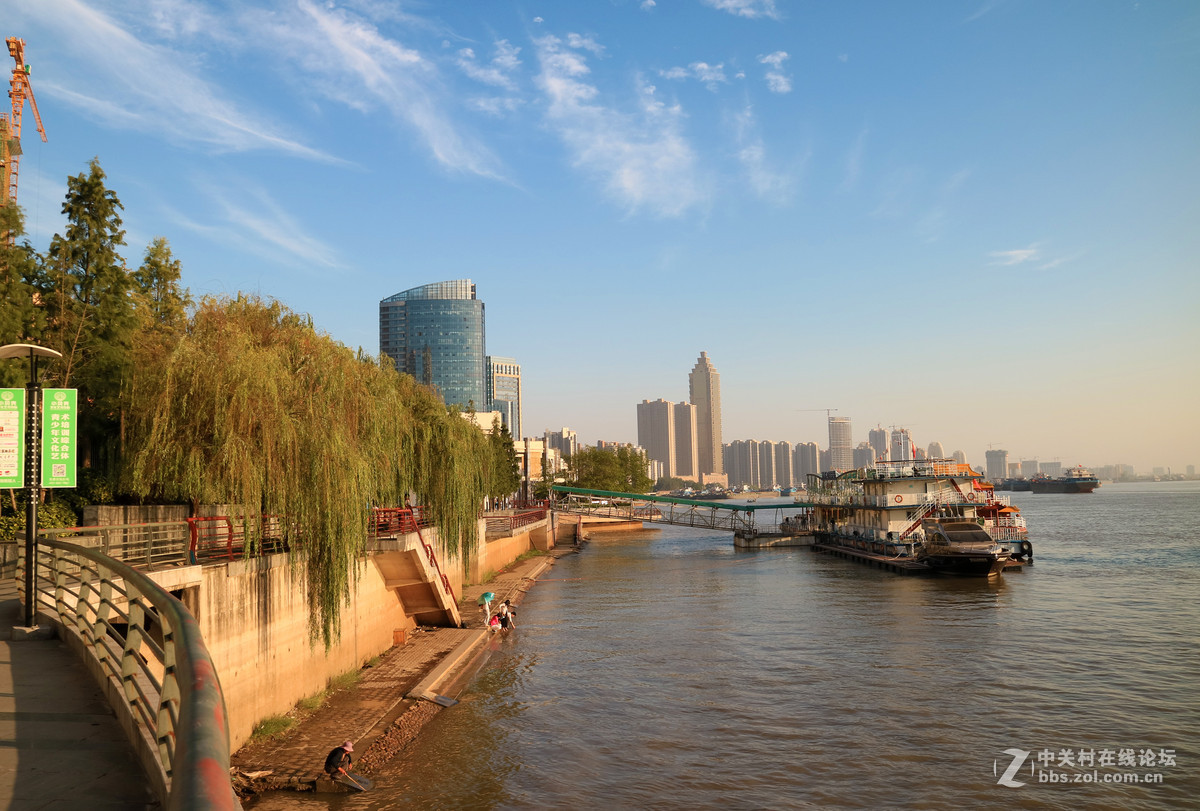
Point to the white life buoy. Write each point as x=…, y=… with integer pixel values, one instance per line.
x=899, y=499
x=970, y=496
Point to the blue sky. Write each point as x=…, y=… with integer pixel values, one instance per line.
x=976, y=219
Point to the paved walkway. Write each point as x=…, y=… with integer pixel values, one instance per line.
x=60, y=744
x=389, y=704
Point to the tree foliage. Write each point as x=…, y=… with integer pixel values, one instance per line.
x=505, y=478
x=21, y=321
x=253, y=406
x=621, y=470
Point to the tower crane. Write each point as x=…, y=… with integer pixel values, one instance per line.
x=10, y=125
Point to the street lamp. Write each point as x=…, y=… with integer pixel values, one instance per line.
x=33, y=447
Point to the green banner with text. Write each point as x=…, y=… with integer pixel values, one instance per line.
x=59, y=419
x=12, y=438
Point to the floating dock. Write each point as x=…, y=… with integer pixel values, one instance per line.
x=769, y=540
x=892, y=564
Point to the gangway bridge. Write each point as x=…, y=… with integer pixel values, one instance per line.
x=743, y=520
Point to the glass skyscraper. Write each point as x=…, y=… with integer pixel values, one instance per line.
x=504, y=392
x=436, y=334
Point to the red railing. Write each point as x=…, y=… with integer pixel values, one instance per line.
x=224, y=537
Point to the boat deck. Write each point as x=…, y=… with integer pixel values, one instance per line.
x=892, y=564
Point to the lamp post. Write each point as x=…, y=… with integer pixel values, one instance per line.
x=33, y=446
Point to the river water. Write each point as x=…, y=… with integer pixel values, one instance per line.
x=664, y=669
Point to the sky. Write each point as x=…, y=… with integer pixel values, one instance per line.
x=975, y=219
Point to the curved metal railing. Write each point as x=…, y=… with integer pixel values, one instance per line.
x=146, y=648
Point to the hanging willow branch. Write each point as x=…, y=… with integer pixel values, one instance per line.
x=255, y=407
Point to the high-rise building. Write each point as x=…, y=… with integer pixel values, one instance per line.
x=841, y=444
x=742, y=463
x=766, y=465
x=1029, y=468
x=1051, y=469
x=504, y=391
x=936, y=451
x=960, y=457
x=436, y=334
x=997, y=464
x=864, y=455
x=686, y=451
x=878, y=439
x=656, y=433
x=902, y=446
x=825, y=463
x=565, y=441
x=783, y=465
x=807, y=461
x=704, y=389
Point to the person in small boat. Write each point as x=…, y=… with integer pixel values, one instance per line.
x=338, y=761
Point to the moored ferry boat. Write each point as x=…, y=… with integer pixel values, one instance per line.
x=1076, y=480
x=905, y=510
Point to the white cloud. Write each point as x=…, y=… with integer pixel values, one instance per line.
x=641, y=158
x=585, y=43
x=751, y=9
x=777, y=82
x=1017, y=256
x=498, y=72
x=767, y=182
x=648, y=4
x=710, y=75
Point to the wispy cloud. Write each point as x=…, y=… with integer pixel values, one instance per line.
x=127, y=83
x=641, y=157
x=777, y=82
x=769, y=183
x=648, y=4
x=984, y=8
x=254, y=221
x=710, y=75
x=1017, y=256
x=751, y=9
x=498, y=72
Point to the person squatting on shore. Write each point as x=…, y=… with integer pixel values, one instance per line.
x=506, y=614
x=338, y=761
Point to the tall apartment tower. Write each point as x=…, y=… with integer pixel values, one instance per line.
x=565, y=441
x=783, y=465
x=841, y=447
x=864, y=455
x=936, y=451
x=704, y=390
x=687, y=453
x=504, y=391
x=436, y=334
x=902, y=446
x=656, y=433
x=997, y=464
x=877, y=438
x=807, y=460
x=766, y=465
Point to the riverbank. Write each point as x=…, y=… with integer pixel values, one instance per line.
x=390, y=700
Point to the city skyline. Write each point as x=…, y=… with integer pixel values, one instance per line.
x=645, y=177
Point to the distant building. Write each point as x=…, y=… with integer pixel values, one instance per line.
x=565, y=441
x=960, y=457
x=864, y=455
x=997, y=465
x=656, y=432
x=704, y=390
x=878, y=439
x=504, y=392
x=936, y=451
x=1014, y=470
x=1029, y=468
x=1051, y=469
x=825, y=463
x=1191, y=471
x=484, y=420
x=536, y=461
x=742, y=463
x=436, y=334
x=766, y=465
x=902, y=446
x=687, y=453
x=806, y=460
x=841, y=449
x=783, y=465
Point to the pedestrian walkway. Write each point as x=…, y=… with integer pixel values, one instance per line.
x=388, y=705
x=61, y=746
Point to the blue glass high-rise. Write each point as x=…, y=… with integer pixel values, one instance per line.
x=436, y=334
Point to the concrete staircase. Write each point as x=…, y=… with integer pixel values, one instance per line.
x=407, y=570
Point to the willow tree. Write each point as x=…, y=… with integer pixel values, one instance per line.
x=254, y=407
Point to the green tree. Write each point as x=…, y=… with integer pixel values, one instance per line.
x=21, y=320
x=622, y=470
x=91, y=311
x=164, y=303
x=505, y=476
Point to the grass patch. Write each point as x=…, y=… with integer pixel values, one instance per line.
x=532, y=553
x=312, y=702
x=373, y=662
x=272, y=726
x=344, y=681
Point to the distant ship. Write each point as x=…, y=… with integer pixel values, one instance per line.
x=1076, y=480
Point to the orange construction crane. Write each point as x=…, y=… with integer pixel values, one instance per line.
x=10, y=126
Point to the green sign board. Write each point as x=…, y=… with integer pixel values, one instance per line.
x=12, y=438
x=59, y=422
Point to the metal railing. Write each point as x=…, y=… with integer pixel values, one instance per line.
x=146, y=649
x=147, y=546
x=390, y=521
x=499, y=526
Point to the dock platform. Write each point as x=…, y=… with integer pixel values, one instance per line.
x=892, y=564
